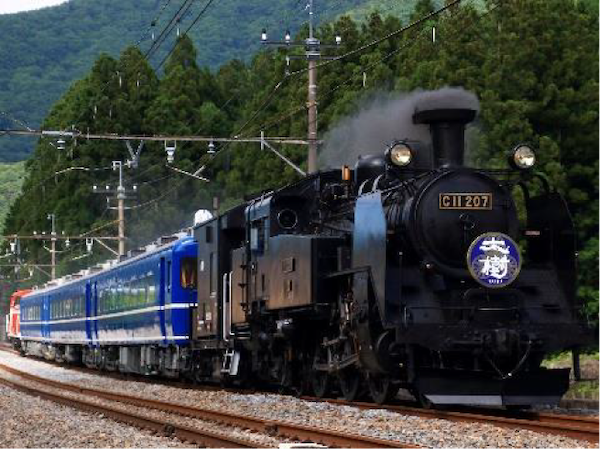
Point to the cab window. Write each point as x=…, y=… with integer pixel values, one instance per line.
x=189, y=273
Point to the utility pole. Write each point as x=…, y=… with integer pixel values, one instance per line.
x=313, y=54
x=312, y=47
x=121, y=207
x=120, y=194
x=52, y=218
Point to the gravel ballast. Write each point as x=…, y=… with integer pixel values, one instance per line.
x=28, y=421
x=256, y=439
x=375, y=422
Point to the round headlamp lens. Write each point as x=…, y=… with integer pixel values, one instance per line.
x=524, y=157
x=400, y=155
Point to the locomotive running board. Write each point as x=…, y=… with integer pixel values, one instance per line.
x=471, y=388
x=491, y=400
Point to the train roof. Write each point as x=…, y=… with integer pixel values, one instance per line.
x=163, y=243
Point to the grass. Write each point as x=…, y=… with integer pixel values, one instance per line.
x=588, y=387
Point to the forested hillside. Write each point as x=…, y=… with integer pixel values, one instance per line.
x=43, y=52
x=536, y=81
x=11, y=179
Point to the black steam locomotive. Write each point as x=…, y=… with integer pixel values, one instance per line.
x=410, y=271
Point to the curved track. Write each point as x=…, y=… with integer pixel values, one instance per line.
x=269, y=427
x=578, y=427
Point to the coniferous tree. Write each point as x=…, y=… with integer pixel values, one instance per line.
x=533, y=65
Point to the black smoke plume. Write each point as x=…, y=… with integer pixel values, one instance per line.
x=385, y=117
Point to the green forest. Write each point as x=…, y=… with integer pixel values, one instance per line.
x=11, y=179
x=533, y=65
x=62, y=43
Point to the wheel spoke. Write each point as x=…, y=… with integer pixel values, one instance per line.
x=349, y=380
x=381, y=388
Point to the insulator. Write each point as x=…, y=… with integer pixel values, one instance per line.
x=170, y=150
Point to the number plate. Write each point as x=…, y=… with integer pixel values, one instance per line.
x=479, y=201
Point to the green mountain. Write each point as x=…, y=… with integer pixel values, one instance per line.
x=43, y=52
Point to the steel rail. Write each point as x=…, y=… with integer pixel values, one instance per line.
x=577, y=427
x=170, y=429
x=270, y=427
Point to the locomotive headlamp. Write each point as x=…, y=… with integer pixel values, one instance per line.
x=400, y=155
x=523, y=157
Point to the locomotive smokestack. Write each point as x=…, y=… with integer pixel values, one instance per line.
x=447, y=133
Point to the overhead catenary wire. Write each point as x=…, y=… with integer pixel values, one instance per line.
x=21, y=123
x=265, y=104
x=153, y=23
x=346, y=55
x=270, y=96
x=200, y=14
x=380, y=40
x=15, y=120
x=423, y=34
x=293, y=111
x=185, y=6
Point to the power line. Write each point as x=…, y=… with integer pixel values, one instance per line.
x=138, y=65
x=166, y=30
x=290, y=113
x=15, y=120
x=382, y=39
x=156, y=138
x=276, y=88
x=185, y=33
x=313, y=65
x=153, y=23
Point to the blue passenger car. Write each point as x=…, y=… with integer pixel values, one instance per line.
x=133, y=316
x=31, y=317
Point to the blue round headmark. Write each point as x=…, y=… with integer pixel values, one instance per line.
x=494, y=260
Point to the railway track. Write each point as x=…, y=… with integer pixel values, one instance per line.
x=577, y=427
x=213, y=439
